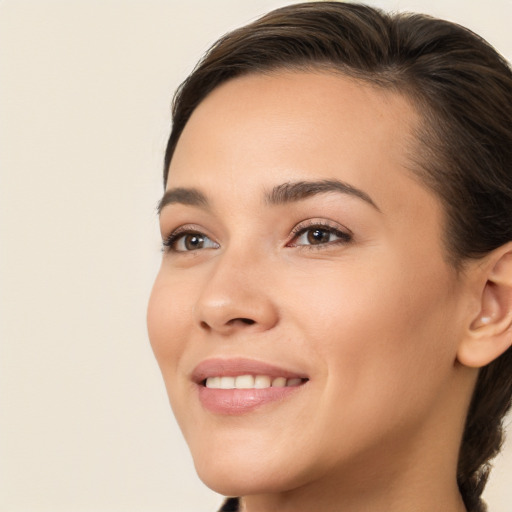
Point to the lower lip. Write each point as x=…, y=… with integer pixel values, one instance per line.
x=241, y=401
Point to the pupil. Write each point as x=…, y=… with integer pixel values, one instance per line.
x=318, y=236
x=193, y=242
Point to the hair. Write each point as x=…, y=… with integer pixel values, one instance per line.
x=463, y=90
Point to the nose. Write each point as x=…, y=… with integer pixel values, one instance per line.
x=236, y=298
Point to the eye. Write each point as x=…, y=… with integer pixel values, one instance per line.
x=186, y=241
x=318, y=235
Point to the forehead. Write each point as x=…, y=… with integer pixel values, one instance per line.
x=271, y=116
x=263, y=129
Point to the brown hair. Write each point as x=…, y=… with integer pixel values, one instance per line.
x=463, y=89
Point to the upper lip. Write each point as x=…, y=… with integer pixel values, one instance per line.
x=233, y=367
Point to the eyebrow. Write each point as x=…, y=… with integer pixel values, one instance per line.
x=297, y=191
x=187, y=196
x=288, y=192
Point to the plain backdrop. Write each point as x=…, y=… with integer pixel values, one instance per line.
x=85, y=90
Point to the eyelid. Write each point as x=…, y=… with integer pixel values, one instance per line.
x=169, y=240
x=346, y=235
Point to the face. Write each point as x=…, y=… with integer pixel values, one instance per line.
x=304, y=273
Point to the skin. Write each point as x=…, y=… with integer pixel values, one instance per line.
x=375, y=320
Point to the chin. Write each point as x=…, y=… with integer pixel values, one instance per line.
x=231, y=483
x=246, y=472
x=243, y=479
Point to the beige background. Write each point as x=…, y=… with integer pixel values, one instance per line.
x=85, y=88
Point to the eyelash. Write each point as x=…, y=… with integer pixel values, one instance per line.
x=169, y=243
x=344, y=237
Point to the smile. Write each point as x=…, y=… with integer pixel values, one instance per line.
x=251, y=382
x=239, y=386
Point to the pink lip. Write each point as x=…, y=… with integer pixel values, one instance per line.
x=239, y=366
x=240, y=401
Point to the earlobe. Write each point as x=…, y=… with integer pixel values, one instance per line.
x=490, y=333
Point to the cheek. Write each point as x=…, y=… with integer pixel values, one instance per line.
x=390, y=298
x=382, y=332
x=169, y=323
x=166, y=321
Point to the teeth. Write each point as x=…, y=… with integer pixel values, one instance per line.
x=227, y=382
x=262, y=381
x=244, y=382
x=280, y=382
x=213, y=382
x=251, y=382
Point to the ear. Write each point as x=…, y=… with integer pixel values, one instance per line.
x=490, y=333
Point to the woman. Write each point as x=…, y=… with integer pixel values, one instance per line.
x=333, y=312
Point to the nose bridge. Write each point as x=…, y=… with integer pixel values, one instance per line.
x=235, y=294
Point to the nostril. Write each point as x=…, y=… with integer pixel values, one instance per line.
x=233, y=322
x=246, y=321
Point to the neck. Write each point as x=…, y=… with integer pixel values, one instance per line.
x=413, y=478
x=373, y=495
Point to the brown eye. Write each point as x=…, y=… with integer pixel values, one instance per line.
x=192, y=242
x=189, y=241
x=318, y=236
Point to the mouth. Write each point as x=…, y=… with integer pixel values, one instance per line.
x=251, y=382
x=239, y=386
